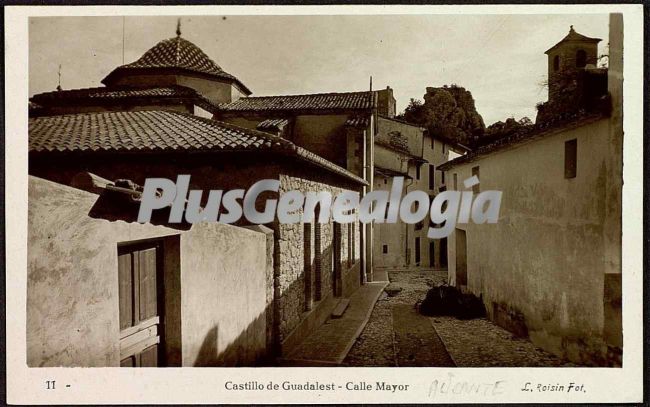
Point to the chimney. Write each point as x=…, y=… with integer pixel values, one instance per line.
x=386, y=102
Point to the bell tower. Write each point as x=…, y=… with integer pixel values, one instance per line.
x=573, y=53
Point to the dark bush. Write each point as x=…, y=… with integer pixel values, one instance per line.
x=445, y=300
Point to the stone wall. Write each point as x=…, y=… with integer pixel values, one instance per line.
x=291, y=262
x=227, y=172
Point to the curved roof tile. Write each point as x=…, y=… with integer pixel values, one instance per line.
x=177, y=53
x=316, y=101
x=158, y=131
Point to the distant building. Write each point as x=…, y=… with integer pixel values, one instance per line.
x=406, y=150
x=550, y=269
x=574, y=79
x=409, y=151
x=338, y=126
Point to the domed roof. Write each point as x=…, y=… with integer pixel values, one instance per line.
x=179, y=54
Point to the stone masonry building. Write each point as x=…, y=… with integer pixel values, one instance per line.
x=150, y=122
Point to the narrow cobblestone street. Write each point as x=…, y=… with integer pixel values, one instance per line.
x=397, y=335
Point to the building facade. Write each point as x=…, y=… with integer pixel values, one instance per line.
x=148, y=122
x=550, y=268
x=409, y=151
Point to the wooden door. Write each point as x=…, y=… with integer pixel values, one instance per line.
x=140, y=280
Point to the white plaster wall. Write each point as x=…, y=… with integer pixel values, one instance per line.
x=223, y=286
x=72, y=284
x=544, y=257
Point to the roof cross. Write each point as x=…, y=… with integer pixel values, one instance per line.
x=178, y=28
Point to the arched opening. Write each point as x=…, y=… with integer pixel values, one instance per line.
x=556, y=63
x=581, y=58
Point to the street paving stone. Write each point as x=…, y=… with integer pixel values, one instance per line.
x=377, y=344
x=480, y=343
x=469, y=343
x=416, y=343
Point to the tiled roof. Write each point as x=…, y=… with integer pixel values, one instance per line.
x=358, y=121
x=177, y=53
x=574, y=36
x=272, y=124
x=317, y=101
x=114, y=93
x=111, y=94
x=137, y=131
x=157, y=131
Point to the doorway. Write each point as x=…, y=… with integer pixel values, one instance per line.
x=432, y=253
x=461, y=258
x=443, y=253
x=417, y=251
x=140, y=268
x=336, y=261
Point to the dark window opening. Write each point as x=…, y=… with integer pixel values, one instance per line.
x=349, y=244
x=476, y=188
x=581, y=58
x=336, y=260
x=417, y=171
x=556, y=63
x=318, y=260
x=570, y=158
x=384, y=249
x=307, y=264
x=417, y=250
x=353, y=243
x=432, y=176
x=455, y=181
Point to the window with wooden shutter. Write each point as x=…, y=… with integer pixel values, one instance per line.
x=570, y=158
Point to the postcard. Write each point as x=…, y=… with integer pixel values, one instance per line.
x=324, y=204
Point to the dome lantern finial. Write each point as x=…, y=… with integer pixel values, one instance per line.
x=571, y=28
x=178, y=28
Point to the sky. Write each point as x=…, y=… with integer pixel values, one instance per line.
x=499, y=58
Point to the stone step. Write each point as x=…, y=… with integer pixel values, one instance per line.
x=340, y=308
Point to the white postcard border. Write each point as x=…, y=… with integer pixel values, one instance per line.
x=206, y=385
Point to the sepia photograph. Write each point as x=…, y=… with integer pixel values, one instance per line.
x=328, y=190
x=117, y=100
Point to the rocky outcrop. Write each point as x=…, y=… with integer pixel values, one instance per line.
x=448, y=112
